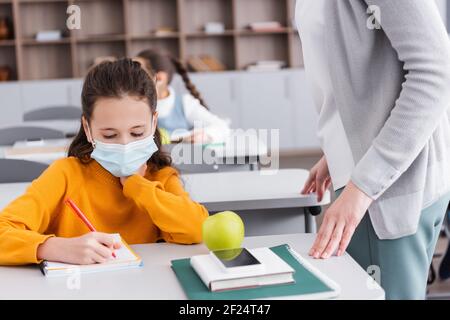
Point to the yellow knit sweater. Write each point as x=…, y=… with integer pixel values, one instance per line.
x=144, y=210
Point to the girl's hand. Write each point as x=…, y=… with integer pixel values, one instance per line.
x=93, y=247
x=340, y=222
x=142, y=170
x=319, y=179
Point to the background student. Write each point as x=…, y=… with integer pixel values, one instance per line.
x=177, y=111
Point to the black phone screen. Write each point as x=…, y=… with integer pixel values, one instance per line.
x=236, y=257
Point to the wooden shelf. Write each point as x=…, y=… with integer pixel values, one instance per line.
x=100, y=18
x=101, y=38
x=41, y=1
x=146, y=16
x=8, y=59
x=202, y=34
x=169, y=44
x=8, y=46
x=262, y=47
x=39, y=16
x=125, y=27
x=34, y=42
x=221, y=48
x=6, y=11
x=150, y=36
x=248, y=11
x=265, y=32
x=7, y=43
x=198, y=12
x=87, y=52
x=47, y=62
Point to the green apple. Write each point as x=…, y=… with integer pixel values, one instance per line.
x=223, y=230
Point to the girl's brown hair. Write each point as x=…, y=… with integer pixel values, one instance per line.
x=116, y=79
x=162, y=61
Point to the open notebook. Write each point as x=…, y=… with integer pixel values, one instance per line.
x=125, y=258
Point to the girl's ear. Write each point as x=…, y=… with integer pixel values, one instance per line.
x=86, y=129
x=154, y=122
x=162, y=78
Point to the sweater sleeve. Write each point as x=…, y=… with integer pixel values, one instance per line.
x=417, y=34
x=24, y=221
x=200, y=117
x=178, y=217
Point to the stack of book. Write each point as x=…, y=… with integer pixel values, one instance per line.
x=266, y=65
x=214, y=27
x=49, y=35
x=205, y=63
x=274, y=271
x=284, y=273
x=163, y=31
x=265, y=26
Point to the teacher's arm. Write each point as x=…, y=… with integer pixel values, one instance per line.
x=417, y=34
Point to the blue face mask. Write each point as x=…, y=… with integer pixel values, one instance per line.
x=123, y=160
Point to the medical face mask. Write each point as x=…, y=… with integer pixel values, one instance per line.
x=123, y=160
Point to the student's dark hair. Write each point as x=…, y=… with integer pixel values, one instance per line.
x=159, y=60
x=117, y=79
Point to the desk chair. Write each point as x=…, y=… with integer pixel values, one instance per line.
x=53, y=113
x=14, y=170
x=10, y=135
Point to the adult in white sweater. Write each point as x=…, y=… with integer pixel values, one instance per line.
x=380, y=76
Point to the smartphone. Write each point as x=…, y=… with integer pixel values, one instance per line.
x=237, y=260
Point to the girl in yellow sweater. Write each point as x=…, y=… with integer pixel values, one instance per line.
x=115, y=173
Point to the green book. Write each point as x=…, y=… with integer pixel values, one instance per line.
x=308, y=282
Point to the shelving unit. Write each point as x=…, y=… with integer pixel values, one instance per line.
x=125, y=27
x=8, y=46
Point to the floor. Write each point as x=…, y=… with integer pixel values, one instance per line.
x=440, y=289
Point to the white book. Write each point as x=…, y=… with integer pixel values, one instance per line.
x=275, y=271
x=279, y=63
x=265, y=25
x=125, y=258
x=49, y=35
x=263, y=68
x=214, y=27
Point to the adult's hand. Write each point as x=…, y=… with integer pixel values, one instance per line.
x=319, y=179
x=340, y=222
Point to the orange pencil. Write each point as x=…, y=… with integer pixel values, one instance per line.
x=83, y=218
